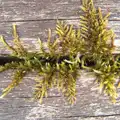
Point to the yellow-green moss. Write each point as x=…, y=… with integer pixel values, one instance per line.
x=88, y=47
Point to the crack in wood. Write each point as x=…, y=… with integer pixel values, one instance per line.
x=91, y=116
x=37, y=20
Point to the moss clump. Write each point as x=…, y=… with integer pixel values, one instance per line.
x=89, y=47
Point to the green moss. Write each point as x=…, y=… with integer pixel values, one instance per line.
x=89, y=47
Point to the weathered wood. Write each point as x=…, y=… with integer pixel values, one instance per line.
x=89, y=104
x=30, y=31
x=22, y=10
x=33, y=18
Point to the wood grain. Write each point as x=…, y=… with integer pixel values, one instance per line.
x=89, y=105
x=33, y=18
x=22, y=10
x=30, y=31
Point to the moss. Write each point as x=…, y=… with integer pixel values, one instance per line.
x=89, y=47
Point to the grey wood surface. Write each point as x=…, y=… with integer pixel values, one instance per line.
x=33, y=18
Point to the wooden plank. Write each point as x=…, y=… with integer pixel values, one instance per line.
x=30, y=31
x=89, y=105
x=26, y=10
x=33, y=18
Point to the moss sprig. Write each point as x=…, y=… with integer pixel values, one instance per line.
x=89, y=47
